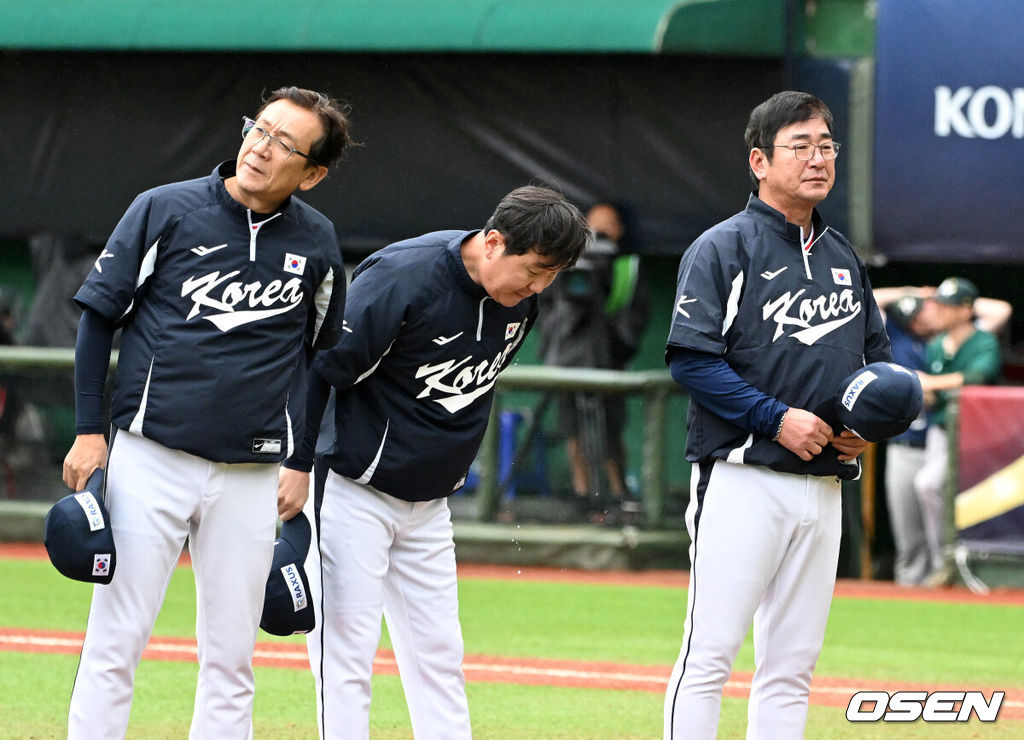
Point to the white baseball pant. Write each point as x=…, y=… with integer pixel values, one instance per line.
x=913, y=562
x=156, y=497
x=930, y=487
x=764, y=547
x=381, y=555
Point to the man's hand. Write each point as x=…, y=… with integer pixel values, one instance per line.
x=88, y=452
x=292, y=492
x=804, y=434
x=849, y=445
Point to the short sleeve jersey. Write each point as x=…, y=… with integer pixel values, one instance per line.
x=219, y=306
x=978, y=358
x=792, y=322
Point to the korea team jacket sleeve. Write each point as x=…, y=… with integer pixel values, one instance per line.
x=318, y=391
x=328, y=307
x=708, y=288
x=375, y=309
x=712, y=383
x=125, y=265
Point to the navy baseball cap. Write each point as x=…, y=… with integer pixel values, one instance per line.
x=287, y=603
x=905, y=310
x=78, y=537
x=879, y=401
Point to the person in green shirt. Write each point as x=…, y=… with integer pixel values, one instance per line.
x=960, y=355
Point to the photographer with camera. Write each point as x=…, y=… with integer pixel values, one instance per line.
x=594, y=316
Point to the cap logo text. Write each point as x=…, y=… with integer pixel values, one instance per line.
x=92, y=511
x=295, y=588
x=854, y=389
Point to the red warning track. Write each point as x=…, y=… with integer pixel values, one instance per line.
x=845, y=588
x=825, y=691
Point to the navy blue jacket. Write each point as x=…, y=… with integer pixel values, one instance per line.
x=219, y=307
x=792, y=324
x=416, y=367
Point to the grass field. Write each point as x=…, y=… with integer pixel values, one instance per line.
x=871, y=643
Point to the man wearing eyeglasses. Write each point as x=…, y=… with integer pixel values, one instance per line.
x=773, y=310
x=223, y=287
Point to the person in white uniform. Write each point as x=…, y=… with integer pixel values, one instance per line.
x=223, y=286
x=773, y=310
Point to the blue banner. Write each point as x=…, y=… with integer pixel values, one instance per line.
x=949, y=131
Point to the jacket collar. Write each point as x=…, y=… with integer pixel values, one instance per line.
x=225, y=170
x=458, y=267
x=778, y=223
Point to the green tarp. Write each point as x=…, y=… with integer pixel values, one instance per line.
x=725, y=27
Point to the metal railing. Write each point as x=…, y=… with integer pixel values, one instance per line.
x=655, y=387
x=20, y=359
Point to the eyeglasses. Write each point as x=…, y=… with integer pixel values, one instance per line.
x=805, y=152
x=251, y=131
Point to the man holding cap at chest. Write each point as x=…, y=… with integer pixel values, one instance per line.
x=773, y=309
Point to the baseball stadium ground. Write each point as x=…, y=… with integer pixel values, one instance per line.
x=550, y=654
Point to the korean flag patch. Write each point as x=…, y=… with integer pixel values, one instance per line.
x=294, y=264
x=511, y=329
x=101, y=564
x=840, y=276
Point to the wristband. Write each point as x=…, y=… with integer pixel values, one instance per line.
x=778, y=432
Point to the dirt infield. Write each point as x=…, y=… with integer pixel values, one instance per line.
x=825, y=691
